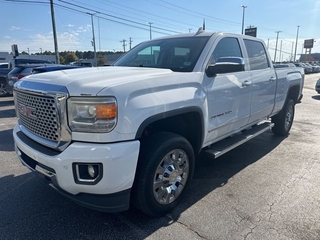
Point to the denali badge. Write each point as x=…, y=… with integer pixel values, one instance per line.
x=29, y=112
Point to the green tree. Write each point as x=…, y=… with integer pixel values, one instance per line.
x=62, y=60
x=88, y=55
x=70, y=57
x=101, y=59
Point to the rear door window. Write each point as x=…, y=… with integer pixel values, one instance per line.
x=257, y=55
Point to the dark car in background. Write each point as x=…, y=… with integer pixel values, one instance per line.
x=23, y=70
x=51, y=68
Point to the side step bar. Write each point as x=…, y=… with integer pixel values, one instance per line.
x=224, y=146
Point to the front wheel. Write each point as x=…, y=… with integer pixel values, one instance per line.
x=283, y=121
x=164, y=172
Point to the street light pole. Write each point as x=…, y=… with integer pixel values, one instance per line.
x=295, y=51
x=150, y=29
x=275, y=52
x=93, y=41
x=243, y=10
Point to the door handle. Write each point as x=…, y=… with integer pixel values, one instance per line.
x=246, y=83
x=272, y=79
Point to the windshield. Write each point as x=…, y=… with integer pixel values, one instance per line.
x=177, y=54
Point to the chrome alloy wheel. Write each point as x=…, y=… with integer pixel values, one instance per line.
x=2, y=89
x=288, y=118
x=171, y=176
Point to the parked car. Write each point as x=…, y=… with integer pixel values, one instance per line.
x=19, y=61
x=282, y=65
x=51, y=68
x=317, y=87
x=307, y=69
x=21, y=71
x=316, y=67
x=4, y=65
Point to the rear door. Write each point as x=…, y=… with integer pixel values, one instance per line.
x=264, y=80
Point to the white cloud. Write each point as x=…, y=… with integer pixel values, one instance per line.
x=70, y=25
x=7, y=37
x=83, y=29
x=14, y=28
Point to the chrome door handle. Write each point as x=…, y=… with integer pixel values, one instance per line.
x=246, y=83
x=272, y=79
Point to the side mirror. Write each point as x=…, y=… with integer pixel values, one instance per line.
x=225, y=65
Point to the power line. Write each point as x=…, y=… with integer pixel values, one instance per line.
x=201, y=14
x=119, y=18
x=127, y=9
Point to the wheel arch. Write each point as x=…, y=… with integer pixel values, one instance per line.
x=293, y=93
x=187, y=122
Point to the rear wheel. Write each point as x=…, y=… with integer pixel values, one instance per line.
x=283, y=121
x=164, y=172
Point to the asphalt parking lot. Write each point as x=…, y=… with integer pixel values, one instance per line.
x=267, y=188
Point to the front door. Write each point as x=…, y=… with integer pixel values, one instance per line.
x=229, y=94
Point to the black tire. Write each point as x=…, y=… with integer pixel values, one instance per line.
x=283, y=120
x=161, y=179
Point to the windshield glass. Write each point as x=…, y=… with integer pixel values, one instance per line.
x=177, y=54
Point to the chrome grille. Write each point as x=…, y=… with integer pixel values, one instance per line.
x=43, y=122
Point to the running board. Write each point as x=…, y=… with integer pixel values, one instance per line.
x=224, y=146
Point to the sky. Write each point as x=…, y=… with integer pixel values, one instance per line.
x=28, y=23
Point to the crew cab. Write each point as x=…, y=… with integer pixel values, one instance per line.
x=129, y=133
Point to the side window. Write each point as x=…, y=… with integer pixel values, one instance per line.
x=147, y=56
x=227, y=47
x=257, y=55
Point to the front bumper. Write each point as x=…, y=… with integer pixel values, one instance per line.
x=110, y=194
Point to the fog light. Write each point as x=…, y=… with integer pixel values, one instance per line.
x=91, y=171
x=85, y=173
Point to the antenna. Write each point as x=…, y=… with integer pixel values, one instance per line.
x=200, y=30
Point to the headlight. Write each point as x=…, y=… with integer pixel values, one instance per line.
x=92, y=114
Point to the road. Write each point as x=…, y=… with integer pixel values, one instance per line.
x=267, y=188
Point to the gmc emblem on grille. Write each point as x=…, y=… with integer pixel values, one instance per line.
x=27, y=111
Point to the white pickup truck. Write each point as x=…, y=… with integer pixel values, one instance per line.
x=129, y=133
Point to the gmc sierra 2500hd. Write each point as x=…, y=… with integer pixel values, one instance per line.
x=108, y=136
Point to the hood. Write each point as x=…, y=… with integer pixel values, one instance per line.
x=90, y=81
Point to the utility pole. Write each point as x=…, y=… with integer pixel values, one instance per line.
x=295, y=51
x=99, y=34
x=275, y=52
x=291, y=57
x=190, y=30
x=130, y=41
x=54, y=33
x=93, y=41
x=150, y=29
x=280, y=51
x=124, y=45
x=268, y=44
